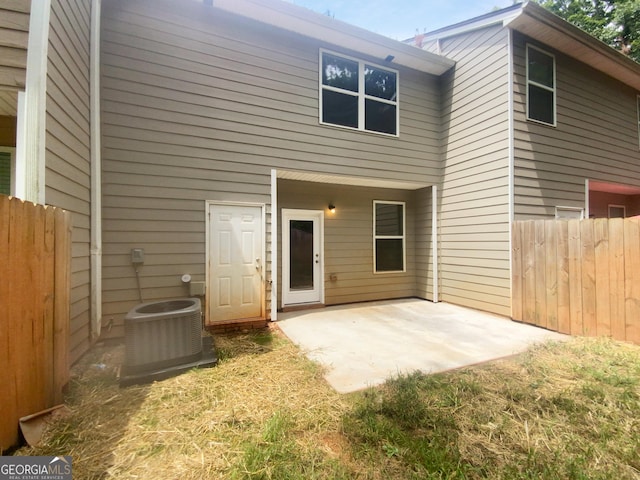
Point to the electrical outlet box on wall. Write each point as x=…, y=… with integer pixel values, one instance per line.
x=196, y=289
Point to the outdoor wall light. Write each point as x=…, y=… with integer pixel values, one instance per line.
x=332, y=208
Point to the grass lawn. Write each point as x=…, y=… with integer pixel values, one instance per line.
x=561, y=410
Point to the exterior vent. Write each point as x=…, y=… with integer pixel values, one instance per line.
x=160, y=335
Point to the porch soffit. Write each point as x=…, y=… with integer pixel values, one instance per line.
x=348, y=180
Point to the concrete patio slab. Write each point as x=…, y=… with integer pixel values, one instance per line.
x=364, y=344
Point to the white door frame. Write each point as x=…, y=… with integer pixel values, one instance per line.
x=208, y=205
x=292, y=213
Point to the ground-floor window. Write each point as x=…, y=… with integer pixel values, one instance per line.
x=617, y=211
x=389, y=236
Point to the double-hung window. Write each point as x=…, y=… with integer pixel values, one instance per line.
x=389, y=236
x=358, y=95
x=541, y=86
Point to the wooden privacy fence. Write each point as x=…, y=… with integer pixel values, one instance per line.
x=580, y=277
x=35, y=255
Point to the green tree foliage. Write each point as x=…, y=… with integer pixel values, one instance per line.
x=615, y=22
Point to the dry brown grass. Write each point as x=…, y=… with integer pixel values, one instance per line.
x=195, y=425
x=568, y=410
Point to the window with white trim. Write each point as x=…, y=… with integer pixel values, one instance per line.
x=617, y=211
x=359, y=95
x=389, y=236
x=569, y=213
x=541, y=86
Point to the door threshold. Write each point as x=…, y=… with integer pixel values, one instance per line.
x=302, y=306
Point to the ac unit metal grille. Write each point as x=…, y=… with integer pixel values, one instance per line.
x=164, y=339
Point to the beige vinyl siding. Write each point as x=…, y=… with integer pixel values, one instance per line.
x=201, y=105
x=424, y=242
x=348, y=239
x=596, y=137
x=14, y=37
x=474, y=199
x=67, y=174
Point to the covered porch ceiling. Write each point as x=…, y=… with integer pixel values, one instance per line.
x=350, y=180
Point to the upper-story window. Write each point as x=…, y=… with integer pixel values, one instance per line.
x=358, y=95
x=541, y=86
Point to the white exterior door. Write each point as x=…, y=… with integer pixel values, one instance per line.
x=236, y=264
x=302, y=256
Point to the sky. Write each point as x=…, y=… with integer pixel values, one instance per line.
x=399, y=19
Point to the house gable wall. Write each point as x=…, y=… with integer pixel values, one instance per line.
x=200, y=105
x=596, y=137
x=67, y=177
x=474, y=199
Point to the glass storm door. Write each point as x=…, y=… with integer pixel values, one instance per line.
x=302, y=262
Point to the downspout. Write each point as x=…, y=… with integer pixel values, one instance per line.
x=96, y=175
x=587, y=206
x=434, y=241
x=274, y=245
x=511, y=153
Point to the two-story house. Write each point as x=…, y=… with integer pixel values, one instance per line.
x=284, y=159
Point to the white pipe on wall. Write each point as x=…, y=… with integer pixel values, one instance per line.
x=96, y=174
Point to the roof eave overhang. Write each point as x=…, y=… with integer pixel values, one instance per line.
x=539, y=24
x=326, y=29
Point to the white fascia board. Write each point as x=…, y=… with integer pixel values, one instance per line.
x=305, y=22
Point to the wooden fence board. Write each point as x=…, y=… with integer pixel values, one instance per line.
x=540, y=275
x=29, y=258
x=562, y=259
x=516, y=279
x=580, y=277
x=62, y=304
x=529, y=283
x=616, y=278
x=8, y=433
x=602, y=255
x=575, y=277
x=632, y=278
x=551, y=275
x=588, y=267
